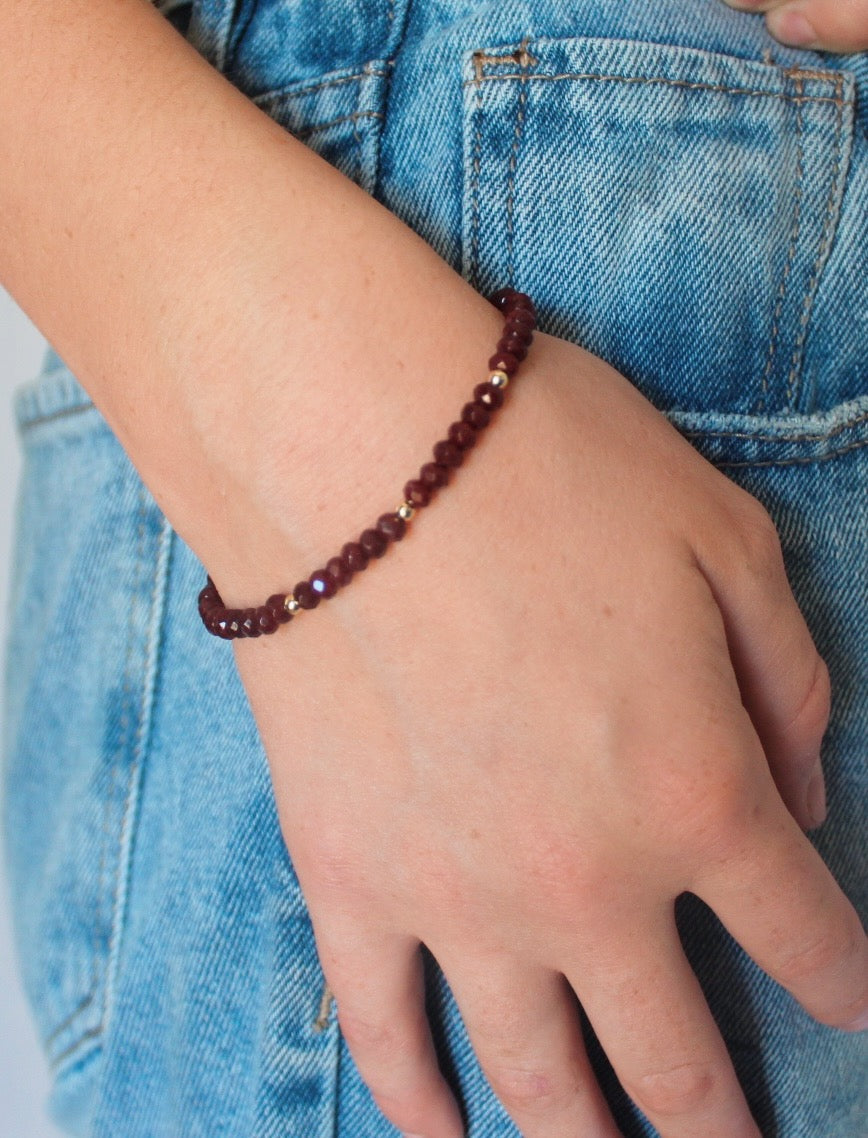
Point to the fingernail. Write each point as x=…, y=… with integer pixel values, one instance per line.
x=817, y=798
x=860, y=1024
x=791, y=27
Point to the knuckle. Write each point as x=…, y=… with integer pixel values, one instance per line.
x=759, y=544
x=380, y=1037
x=675, y=1091
x=812, y=715
x=818, y=956
x=531, y=1089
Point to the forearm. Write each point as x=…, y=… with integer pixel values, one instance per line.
x=235, y=306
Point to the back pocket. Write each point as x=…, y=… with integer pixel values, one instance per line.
x=669, y=209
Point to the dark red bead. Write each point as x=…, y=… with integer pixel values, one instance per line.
x=448, y=453
x=275, y=604
x=220, y=627
x=373, y=542
x=514, y=345
x=417, y=493
x=342, y=575
x=250, y=623
x=488, y=394
x=266, y=621
x=234, y=618
x=520, y=320
x=323, y=583
x=391, y=526
x=476, y=414
x=503, y=361
x=434, y=475
x=354, y=557
x=462, y=434
x=520, y=300
x=502, y=297
x=306, y=595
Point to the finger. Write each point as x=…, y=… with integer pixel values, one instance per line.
x=784, y=682
x=772, y=890
x=825, y=25
x=379, y=990
x=652, y=1020
x=524, y=1027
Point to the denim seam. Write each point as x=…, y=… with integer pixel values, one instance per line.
x=837, y=100
x=782, y=438
x=63, y=414
x=825, y=245
x=474, y=186
x=307, y=131
x=96, y=1030
x=141, y=742
x=291, y=91
x=793, y=461
x=791, y=255
x=510, y=182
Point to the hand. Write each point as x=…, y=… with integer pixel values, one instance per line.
x=826, y=25
x=579, y=687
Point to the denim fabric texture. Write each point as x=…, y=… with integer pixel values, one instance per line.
x=679, y=194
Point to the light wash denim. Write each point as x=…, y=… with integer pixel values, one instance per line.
x=679, y=194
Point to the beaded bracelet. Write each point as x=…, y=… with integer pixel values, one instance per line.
x=448, y=454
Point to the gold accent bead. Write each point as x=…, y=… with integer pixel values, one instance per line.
x=406, y=511
x=291, y=605
x=498, y=378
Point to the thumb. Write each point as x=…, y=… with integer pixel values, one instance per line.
x=829, y=25
x=825, y=25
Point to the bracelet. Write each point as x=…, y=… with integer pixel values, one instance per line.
x=448, y=453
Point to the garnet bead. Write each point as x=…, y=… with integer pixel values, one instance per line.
x=323, y=583
x=488, y=394
x=249, y=623
x=448, y=453
x=514, y=345
x=502, y=298
x=462, y=434
x=354, y=557
x=391, y=526
x=276, y=606
x=266, y=620
x=504, y=361
x=373, y=542
x=433, y=474
x=306, y=595
x=341, y=574
x=417, y=493
x=476, y=414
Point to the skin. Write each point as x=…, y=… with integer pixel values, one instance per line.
x=826, y=25
x=579, y=687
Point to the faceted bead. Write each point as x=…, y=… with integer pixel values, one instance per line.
x=391, y=526
x=373, y=542
x=276, y=604
x=519, y=320
x=266, y=620
x=234, y=617
x=417, y=493
x=520, y=300
x=306, y=595
x=488, y=394
x=354, y=557
x=342, y=575
x=462, y=434
x=323, y=583
x=434, y=474
x=476, y=414
x=250, y=623
x=220, y=627
x=514, y=345
x=448, y=453
x=502, y=297
x=504, y=361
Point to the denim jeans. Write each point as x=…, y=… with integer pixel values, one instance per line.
x=680, y=195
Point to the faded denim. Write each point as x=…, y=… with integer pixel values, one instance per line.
x=681, y=195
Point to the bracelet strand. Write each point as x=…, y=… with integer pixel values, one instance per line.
x=229, y=624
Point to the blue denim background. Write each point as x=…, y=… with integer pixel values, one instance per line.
x=678, y=193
